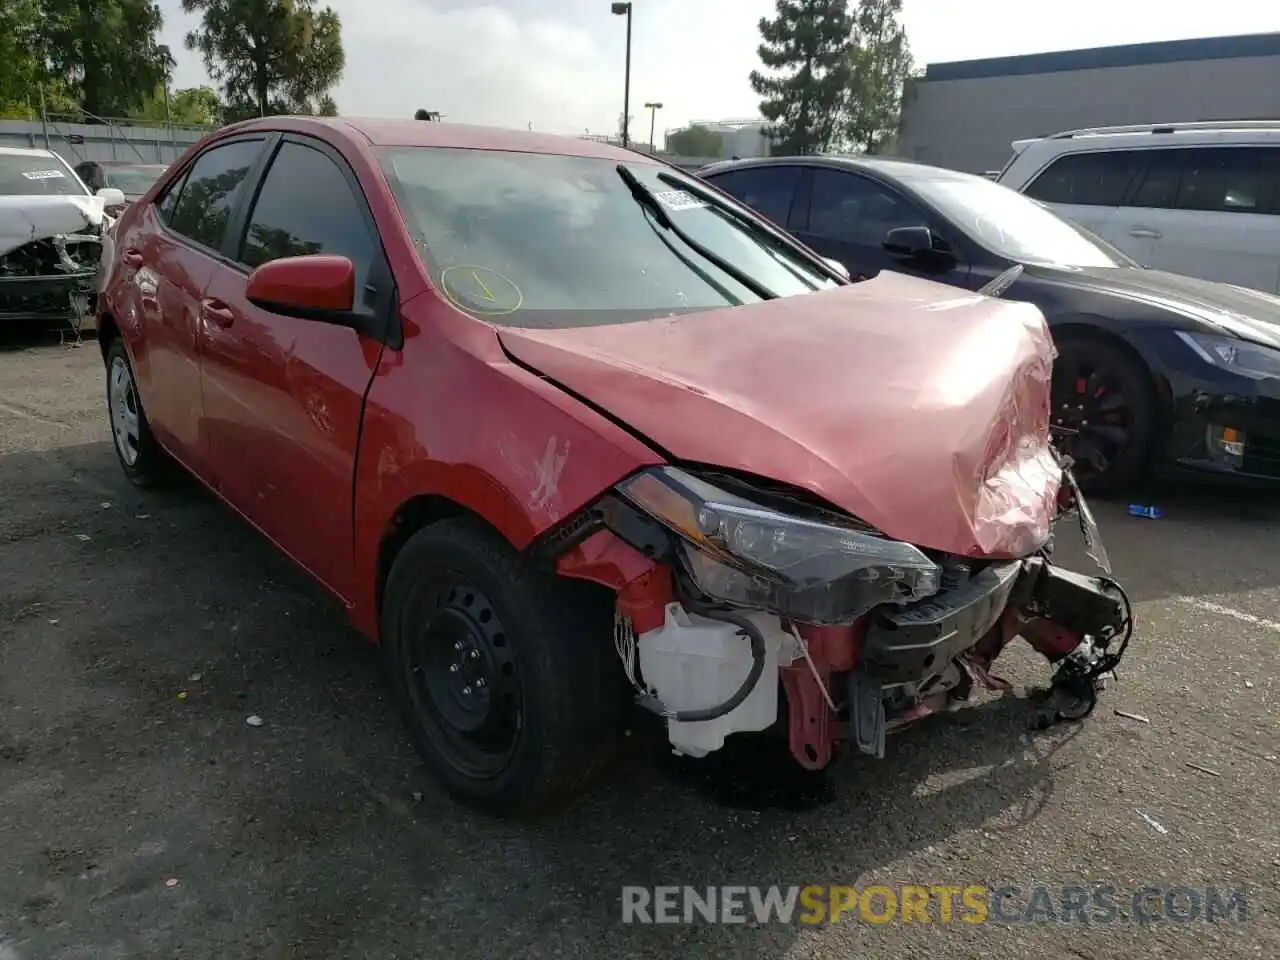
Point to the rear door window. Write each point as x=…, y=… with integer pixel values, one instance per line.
x=767, y=190
x=1229, y=180
x=1100, y=179
x=203, y=209
x=1212, y=180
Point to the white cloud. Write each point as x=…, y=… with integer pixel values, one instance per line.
x=558, y=64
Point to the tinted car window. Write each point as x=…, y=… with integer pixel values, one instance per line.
x=211, y=192
x=767, y=190
x=24, y=175
x=1229, y=179
x=1089, y=179
x=92, y=175
x=306, y=205
x=548, y=241
x=1157, y=186
x=854, y=209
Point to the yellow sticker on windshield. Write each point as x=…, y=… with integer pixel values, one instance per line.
x=480, y=290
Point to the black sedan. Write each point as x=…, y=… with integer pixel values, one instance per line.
x=1155, y=370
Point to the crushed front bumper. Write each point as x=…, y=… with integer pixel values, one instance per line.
x=62, y=299
x=902, y=665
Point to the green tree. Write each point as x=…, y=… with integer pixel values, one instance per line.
x=879, y=64
x=695, y=141
x=20, y=67
x=270, y=56
x=106, y=52
x=191, y=105
x=806, y=51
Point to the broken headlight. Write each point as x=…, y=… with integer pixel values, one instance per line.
x=748, y=555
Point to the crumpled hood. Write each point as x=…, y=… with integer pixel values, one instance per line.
x=918, y=408
x=1237, y=311
x=23, y=219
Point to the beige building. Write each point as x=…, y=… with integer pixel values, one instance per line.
x=964, y=115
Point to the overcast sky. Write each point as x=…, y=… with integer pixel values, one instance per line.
x=558, y=64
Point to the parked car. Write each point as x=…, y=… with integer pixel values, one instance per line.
x=1154, y=369
x=1201, y=199
x=51, y=238
x=131, y=179
x=549, y=417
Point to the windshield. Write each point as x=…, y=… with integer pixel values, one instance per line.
x=24, y=175
x=548, y=241
x=133, y=181
x=1015, y=226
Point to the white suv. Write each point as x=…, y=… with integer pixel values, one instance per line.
x=1200, y=199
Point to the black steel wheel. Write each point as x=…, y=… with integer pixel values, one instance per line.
x=462, y=678
x=506, y=674
x=1101, y=413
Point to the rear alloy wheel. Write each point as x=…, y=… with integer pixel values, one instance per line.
x=141, y=457
x=507, y=675
x=1101, y=413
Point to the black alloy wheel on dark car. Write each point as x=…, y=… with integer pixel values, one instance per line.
x=1101, y=413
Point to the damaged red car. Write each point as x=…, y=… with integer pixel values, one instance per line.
x=563, y=427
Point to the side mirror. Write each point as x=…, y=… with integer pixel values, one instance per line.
x=112, y=197
x=319, y=287
x=909, y=241
x=837, y=266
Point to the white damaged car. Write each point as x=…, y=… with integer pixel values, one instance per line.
x=52, y=235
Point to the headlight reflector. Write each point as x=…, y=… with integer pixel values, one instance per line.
x=1238, y=356
x=749, y=555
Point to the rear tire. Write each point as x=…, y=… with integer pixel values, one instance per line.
x=1102, y=413
x=506, y=675
x=143, y=459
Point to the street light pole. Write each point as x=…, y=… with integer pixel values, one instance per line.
x=653, y=109
x=624, y=10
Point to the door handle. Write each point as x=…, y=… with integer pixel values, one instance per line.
x=131, y=258
x=218, y=312
x=1145, y=233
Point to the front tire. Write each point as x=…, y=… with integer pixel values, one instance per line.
x=1102, y=413
x=506, y=675
x=141, y=457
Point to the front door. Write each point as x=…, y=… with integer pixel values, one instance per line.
x=283, y=396
x=846, y=216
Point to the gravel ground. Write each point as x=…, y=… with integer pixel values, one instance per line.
x=140, y=816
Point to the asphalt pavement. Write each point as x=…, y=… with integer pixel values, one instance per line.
x=142, y=816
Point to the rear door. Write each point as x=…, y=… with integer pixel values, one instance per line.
x=283, y=396
x=1090, y=188
x=846, y=216
x=1211, y=212
x=165, y=262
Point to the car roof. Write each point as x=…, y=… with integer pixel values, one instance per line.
x=425, y=133
x=26, y=152
x=137, y=164
x=894, y=168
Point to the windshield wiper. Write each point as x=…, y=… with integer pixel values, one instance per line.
x=764, y=231
x=645, y=197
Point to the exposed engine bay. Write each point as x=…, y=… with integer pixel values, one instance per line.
x=750, y=591
x=50, y=258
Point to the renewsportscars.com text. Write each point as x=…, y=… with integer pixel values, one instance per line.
x=936, y=903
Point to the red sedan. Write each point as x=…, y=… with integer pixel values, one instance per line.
x=562, y=427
